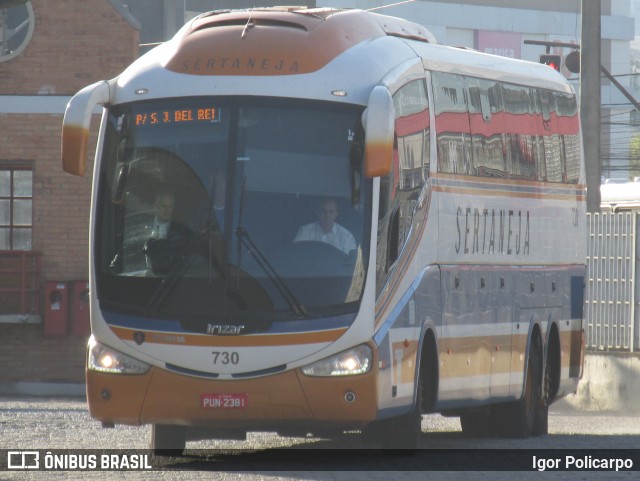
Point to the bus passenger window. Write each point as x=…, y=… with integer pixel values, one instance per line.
x=412, y=134
x=452, y=124
x=569, y=129
x=486, y=118
x=551, y=140
x=520, y=128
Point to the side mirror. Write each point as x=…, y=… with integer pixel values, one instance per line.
x=76, y=123
x=378, y=120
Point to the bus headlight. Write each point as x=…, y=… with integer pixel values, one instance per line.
x=104, y=359
x=348, y=363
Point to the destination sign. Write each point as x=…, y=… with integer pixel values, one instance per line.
x=175, y=116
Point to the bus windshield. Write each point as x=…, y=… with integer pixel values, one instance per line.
x=242, y=209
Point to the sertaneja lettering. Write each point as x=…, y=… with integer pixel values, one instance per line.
x=213, y=64
x=492, y=231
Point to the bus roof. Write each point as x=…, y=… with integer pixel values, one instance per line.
x=279, y=40
x=262, y=52
x=477, y=64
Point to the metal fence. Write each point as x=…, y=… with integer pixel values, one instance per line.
x=611, y=290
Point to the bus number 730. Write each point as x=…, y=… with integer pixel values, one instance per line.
x=225, y=357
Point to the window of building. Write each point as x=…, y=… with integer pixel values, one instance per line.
x=16, y=28
x=16, y=208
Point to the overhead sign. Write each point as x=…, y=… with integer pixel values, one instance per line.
x=505, y=44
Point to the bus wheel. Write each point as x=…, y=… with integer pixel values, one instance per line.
x=541, y=424
x=401, y=432
x=522, y=415
x=475, y=424
x=168, y=440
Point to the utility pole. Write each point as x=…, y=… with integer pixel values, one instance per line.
x=590, y=99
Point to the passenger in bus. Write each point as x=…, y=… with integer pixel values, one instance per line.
x=168, y=239
x=164, y=204
x=327, y=230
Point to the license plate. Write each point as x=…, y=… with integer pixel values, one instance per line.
x=224, y=401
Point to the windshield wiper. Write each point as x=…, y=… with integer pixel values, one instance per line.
x=272, y=274
x=244, y=239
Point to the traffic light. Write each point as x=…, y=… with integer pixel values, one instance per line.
x=572, y=61
x=553, y=60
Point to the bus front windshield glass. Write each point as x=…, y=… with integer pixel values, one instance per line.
x=239, y=209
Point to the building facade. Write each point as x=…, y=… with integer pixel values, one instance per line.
x=48, y=51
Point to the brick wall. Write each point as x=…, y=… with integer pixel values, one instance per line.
x=73, y=45
x=27, y=355
x=60, y=201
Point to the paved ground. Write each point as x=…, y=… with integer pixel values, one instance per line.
x=58, y=423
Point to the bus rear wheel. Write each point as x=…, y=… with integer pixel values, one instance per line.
x=519, y=419
x=168, y=440
x=476, y=424
x=549, y=385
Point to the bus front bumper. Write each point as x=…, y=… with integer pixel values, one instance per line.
x=283, y=399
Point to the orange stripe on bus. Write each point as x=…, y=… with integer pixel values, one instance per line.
x=468, y=179
x=502, y=193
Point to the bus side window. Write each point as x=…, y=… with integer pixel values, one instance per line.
x=400, y=190
x=538, y=135
x=569, y=130
x=486, y=121
x=519, y=132
x=452, y=123
x=551, y=140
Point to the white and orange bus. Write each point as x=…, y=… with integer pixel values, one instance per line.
x=453, y=281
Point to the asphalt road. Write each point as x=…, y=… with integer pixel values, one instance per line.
x=47, y=425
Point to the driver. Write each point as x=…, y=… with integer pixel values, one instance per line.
x=326, y=230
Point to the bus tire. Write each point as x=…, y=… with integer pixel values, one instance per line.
x=429, y=374
x=400, y=432
x=550, y=383
x=475, y=424
x=541, y=424
x=521, y=416
x=168, y=440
